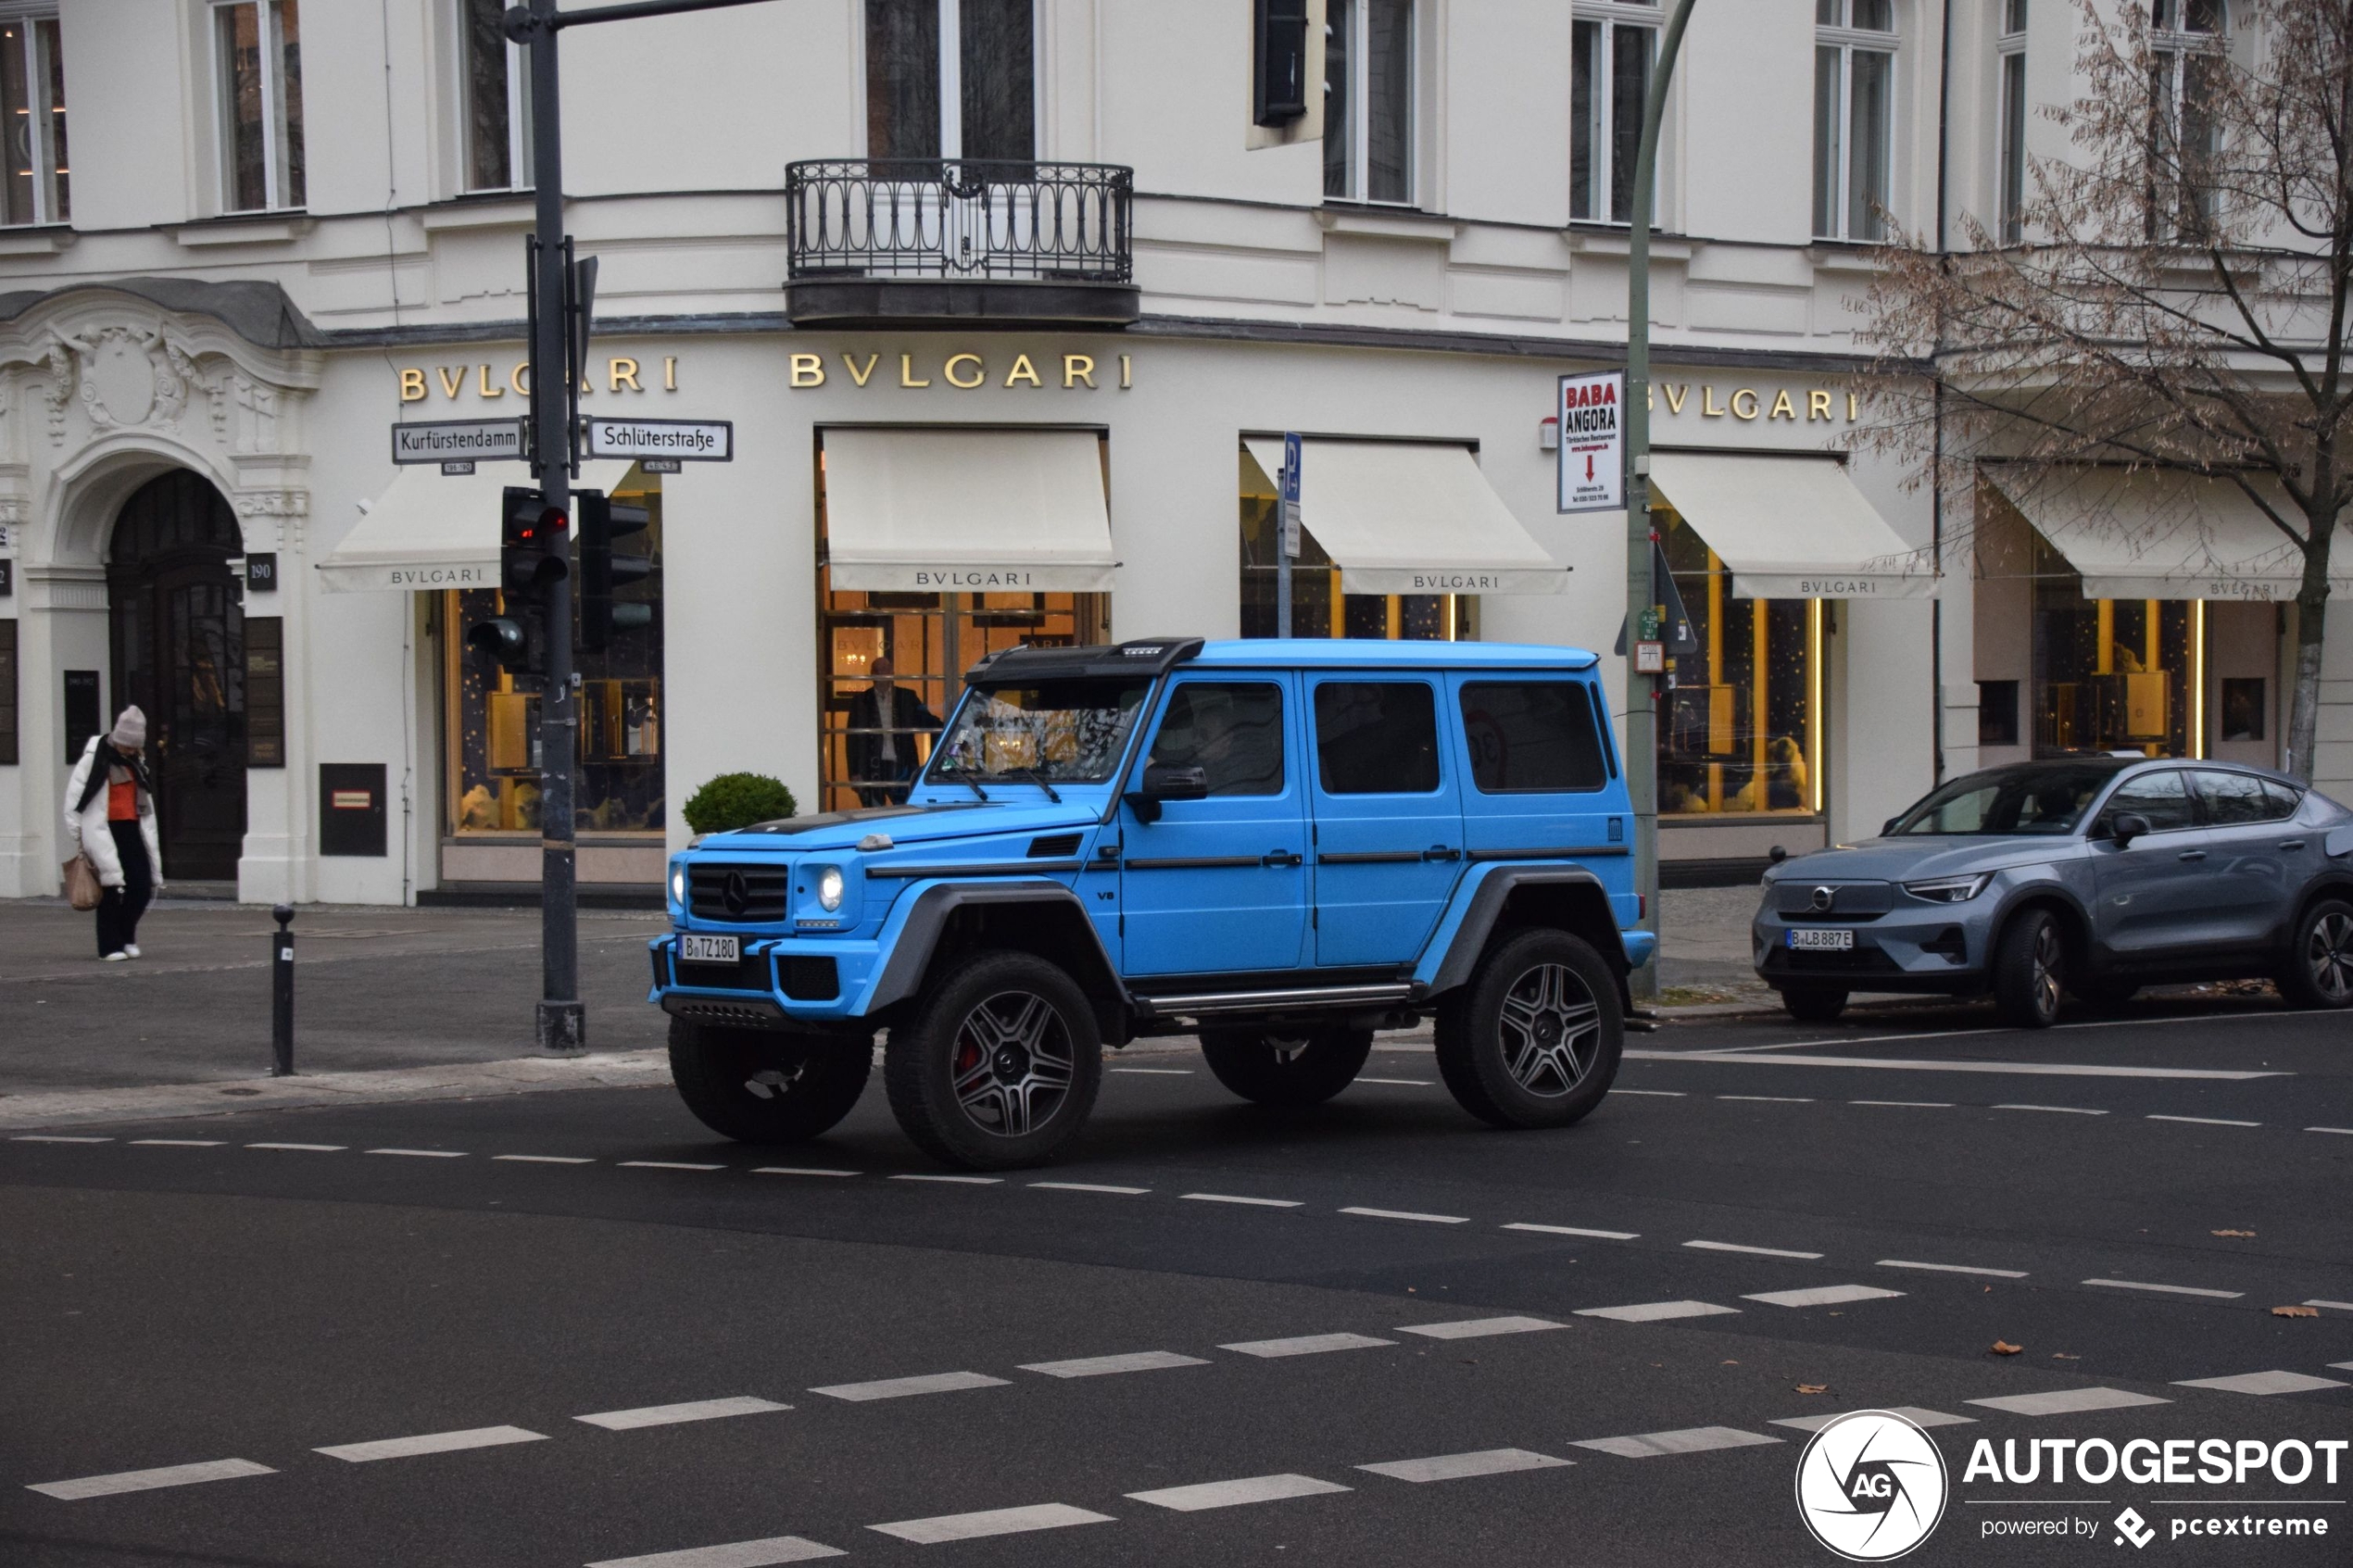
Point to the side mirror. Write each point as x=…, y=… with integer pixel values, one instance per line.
x=1777, y=854
x=2128, y=827
x=1161, y=783
x=1887, y=828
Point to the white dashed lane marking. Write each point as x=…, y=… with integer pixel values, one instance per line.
x=2346, y=1132
x=1660, y=1093
x=1656, y=1312
x=2056, y=1109
x=1103, y=1366
x=1690, y=1440
x=303, y=1148
x=1950, y=1268
x=1912, y=1413
x=798, y=1170
x=2205, y=1121
x=63, y=1138
x=994, y=1521
x=1091, y=1187
x=1457, y=1467
x=422, y=1153
x=1907, y=1104
x=1769, y=1099
x=671, y=1415
x=736, y=1554
x=175, y=1143
x=1235, y=1198
x=1234, y=1494
x=1157, y=1072
x=149, y=1480
x=547, y=1158
x=1574, y=1230
x=667, y=1165
x=1409, y=1214
x=2334, y=1306
x=1479, y=1328
x=955, y=1181
x=2169, y=1290
x=1822, y=1296
x=1305, y=1345
x=901, y=1387
x=431, y=1443
x=1399, y=1083
x=2067, y=1401
x=1752, y=1251
x=1924, y=1064
x=2263, y=1383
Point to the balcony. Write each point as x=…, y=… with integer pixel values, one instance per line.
x=922, y=242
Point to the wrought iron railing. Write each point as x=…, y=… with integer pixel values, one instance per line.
x=960, y=220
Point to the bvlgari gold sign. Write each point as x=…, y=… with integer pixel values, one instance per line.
x=966, y=371
x=621, y=374
x=1747, y=404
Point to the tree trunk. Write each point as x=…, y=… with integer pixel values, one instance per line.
x=2311, y=624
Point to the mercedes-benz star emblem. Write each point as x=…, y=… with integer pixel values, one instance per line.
x=1823, y=899
x=736, y=893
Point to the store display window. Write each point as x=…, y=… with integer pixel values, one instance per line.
x=2113, y=674
x=1319, y=607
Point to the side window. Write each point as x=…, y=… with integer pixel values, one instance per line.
x=1376, y=737
x=2232, y=798
x=2279, y=802
x=1530, y=735
x=1233, y=732
x=2161, y=797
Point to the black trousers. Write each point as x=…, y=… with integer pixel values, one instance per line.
x=120, y=907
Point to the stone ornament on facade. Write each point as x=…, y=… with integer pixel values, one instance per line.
x=129, y=376
x=290, y=509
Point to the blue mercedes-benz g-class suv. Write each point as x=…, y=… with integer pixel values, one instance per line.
x=1277, y=846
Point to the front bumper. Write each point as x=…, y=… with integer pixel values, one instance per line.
x=779, y=981
x=1939, y=949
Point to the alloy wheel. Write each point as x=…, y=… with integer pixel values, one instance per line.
x=1552, y=1030
x=2329, y=952
x=2049, y=958
x=1013, y=1063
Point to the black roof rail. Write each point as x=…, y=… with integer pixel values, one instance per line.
x=1146, y=656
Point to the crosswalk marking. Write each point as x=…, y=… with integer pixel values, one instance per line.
x=431, y=1443
x=1234, y=1494
x=1656, y=1312
x=671, y=1416
x=1479, y=1328
x=2262, y=1382
x=1306, y=1344
x=1456, y=1467
x=1822, y=1296
x=736, y=1554
x=1690, y=1440
x=901, y=1388
x=1100, y=1366
x=1913, y=1413
x=148, y=1480
x=993, y=1522
x=2067, y=1401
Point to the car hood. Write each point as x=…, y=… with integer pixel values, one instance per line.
x=1913, y=860
x=934, y=823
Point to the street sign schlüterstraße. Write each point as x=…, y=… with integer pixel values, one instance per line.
x=696, y=441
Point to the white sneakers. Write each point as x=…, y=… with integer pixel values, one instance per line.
x=130, y=949
x=115, y=958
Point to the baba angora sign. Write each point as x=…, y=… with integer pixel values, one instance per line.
x=1593, y=441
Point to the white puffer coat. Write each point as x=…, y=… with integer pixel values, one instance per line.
x=87, y=832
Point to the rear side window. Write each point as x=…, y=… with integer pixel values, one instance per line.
x=1531, y=735
x=2234, y=798
x=1376, y=737
x=1231, y=730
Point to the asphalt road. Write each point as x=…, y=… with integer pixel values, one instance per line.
x=411, y=1325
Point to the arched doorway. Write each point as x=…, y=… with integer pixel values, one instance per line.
x=178, y=636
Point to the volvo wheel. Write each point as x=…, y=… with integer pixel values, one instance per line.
x=1814, y=1004
x=1533, y=1040
x=998, y=1068
x=2319, y=972
x=2030, y=971
x=762, y=1085
x=1294, y=1071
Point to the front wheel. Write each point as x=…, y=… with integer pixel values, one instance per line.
x=1814, y=1004
x=1290, y=1071
x=764, y=1086
x=2030, y=971
x=1533, y=1040
x=2319, y=972
x=998, y=1068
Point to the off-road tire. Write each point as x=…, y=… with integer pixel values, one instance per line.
x=1501, y=1064
x=2030, y=971
x=764, y=1086
x=1291, y=1070
x=1814, y=1004
x=1018, y=1037
x=2319, y=971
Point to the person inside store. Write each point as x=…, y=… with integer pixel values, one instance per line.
x=883, y=720
x=110, y=823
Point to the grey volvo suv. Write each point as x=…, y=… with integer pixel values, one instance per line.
x=2093, y=875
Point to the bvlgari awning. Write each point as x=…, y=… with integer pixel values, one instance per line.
x=967, y=511
x=1791, y=527
x=2148, y=534
x=435, y=530
x=1412, y=518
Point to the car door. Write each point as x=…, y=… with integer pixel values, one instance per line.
x=1219, y=885
x=1539, y=767
x=1389, y=816
x=2151, y=891
x=2246, y=883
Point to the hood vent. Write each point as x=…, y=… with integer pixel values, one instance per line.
x=1053, y=847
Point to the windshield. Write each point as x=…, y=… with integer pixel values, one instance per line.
x=1060, y=732
x=2048, y=798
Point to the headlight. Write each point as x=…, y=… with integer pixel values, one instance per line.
x=678, y=884
x=829, y=887
x=1950, y=889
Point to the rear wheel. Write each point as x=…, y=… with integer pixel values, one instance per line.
x=1814, y=1004
x=1287, y=1069
x=2320, y=968
x=1533, y=1040
x=2030, y=971
x=762, y=1085
x=998, y=1068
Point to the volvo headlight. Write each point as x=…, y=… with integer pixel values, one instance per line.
x=678, y=884
x=829, y=887
x=1950, y=889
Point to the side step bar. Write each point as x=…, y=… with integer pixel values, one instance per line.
x=1208, y=1002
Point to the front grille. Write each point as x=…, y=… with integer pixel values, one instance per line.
x=749, y=972
x=810, y=979
x=1053, y=847
x=748, y=894
x=1794, y=899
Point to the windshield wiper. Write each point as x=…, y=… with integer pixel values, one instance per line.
x=1031, y=776
x=957, y=775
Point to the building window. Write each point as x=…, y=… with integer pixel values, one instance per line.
x=491, y=747
x=952, y=78
x=1741, y=730
x=1368, y=101
x=1854, y=117
x=258, y=63
x=495, y=87
x=2011, y=58
x=33, y=99
x=1609, y=75
x=2185, y=65
x=1319, y=607
x=2114, y=674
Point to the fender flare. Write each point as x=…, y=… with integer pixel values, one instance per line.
x=1485, y=906
x=2048, y=890
x=918, y=932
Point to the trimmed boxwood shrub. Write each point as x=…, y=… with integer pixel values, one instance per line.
x=739, y=800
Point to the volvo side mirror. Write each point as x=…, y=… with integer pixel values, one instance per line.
x=1162, y=782
x=1887, y=828
x=1777, y=854
x=2128, y=827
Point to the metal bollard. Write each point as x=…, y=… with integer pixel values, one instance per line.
x=282, y=994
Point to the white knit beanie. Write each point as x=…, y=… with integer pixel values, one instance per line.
x=130, y=730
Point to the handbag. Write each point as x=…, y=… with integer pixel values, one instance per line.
x=82, y=884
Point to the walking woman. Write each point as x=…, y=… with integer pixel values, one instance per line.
x=111, y=819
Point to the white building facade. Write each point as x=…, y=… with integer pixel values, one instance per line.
x=1006, y=301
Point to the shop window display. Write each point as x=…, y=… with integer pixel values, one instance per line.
x=1319, y=607
x=1741, y=730
x=492, y=723
x=2111, y=674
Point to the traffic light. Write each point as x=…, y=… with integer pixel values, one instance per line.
x=602, y=520
x=503, y=642
x=534, y=543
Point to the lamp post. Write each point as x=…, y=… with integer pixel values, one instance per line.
x=1641, y=596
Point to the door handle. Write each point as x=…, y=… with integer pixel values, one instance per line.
x=1442, y=852
x=1282, y=858
x=2193, y=855
x=2291, y=844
